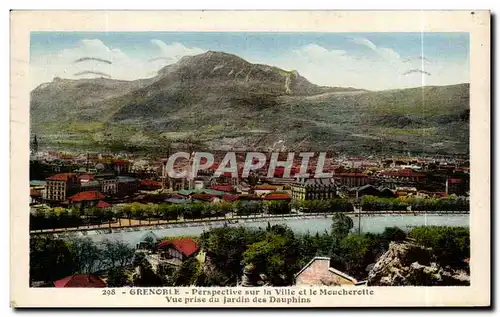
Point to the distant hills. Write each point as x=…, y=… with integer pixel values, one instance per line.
x=220, y=101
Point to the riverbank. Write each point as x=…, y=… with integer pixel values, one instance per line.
x=122, y=225
x=317, y=224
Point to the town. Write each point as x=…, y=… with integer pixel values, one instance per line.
x=106, y=193
x=102, y=183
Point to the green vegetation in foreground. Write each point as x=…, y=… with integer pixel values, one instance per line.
x=275, y=251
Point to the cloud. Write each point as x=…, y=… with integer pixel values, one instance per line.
x=175, y=51
x=386, y=53
x=365, y=42
x=315, y=51
x=94, y=58
x=87, y=59
x=339, y=68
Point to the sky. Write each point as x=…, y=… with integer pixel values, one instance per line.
x=374, y=61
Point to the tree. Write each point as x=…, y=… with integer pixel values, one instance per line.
x=151, y=211
x=277, y=256
x=117, y=277
x=145, y=277
x=137, y=210
x=224, y=208
x=341, y=225
x=108, y=215
x=451, y=245
x=187, y=273
x=392, y=234
x=126, y=210
x=60, y=216
x=278, y=207
x=170, y=212
x=88, y=257
x=118, y=213
x=50, y=259
x=224, y=248
x=116, y=253
x=355, y=251
x=248, y=207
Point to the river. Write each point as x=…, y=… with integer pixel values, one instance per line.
x=373, y=224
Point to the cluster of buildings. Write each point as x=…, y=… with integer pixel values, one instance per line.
x=85, y=179
x=350, y=178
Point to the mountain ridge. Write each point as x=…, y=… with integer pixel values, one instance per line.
x=223, y=101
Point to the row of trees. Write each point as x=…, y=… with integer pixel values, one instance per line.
x=43, y=218
x=51, y=218
x=373, y=203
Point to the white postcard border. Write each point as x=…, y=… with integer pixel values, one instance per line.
x=477, y=23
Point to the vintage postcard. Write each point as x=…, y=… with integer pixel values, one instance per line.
x=250, y=159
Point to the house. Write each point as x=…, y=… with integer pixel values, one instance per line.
x=126, y=185
x=386, y=193
x=370, y=190
x=230, y=197
x=318, y=272
x=189, y=193
x=352, y=179
x=82, y=280
x=176, y=251
x=199, y=184
x=393, y=178
x=367, y=190
x=406, y=191
x=86, y=199
x=314, y=188
x=148, y=184
x=60, y=186
x=205, y=198
x=108, y=182
x=92, y=185
x=121, y=166
x=178, y=200
x=264, y=189
x=38, y=185
x=222, y=188
x=35, y=196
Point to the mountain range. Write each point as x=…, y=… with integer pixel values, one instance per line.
x=219, y=101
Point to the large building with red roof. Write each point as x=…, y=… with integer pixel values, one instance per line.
x=60, y=186
x=87, y=198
